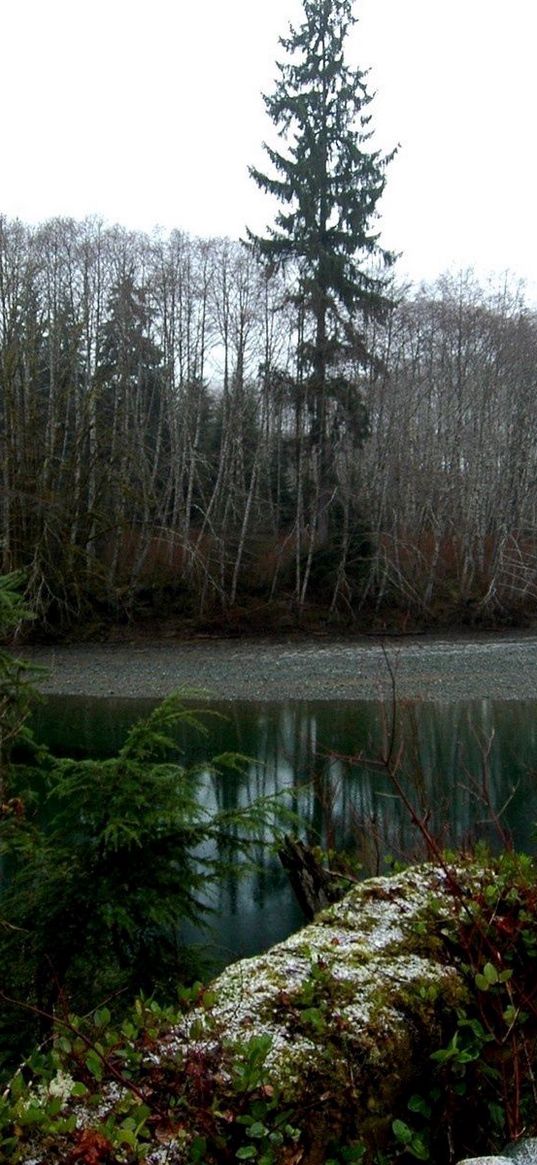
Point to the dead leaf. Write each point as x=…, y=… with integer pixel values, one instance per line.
x=90, y=1148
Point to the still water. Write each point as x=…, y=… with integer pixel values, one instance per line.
x=465, y=765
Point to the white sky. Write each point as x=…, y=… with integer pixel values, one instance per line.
x=149, y=113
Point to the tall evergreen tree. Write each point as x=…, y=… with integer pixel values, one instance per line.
x=329, y=181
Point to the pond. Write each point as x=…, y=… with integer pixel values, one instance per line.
x=466, y=765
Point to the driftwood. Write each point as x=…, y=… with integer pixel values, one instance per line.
x=312, y=885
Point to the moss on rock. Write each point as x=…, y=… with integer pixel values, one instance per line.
x=322, y=1039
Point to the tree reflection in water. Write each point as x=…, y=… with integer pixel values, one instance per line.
x=462, y=762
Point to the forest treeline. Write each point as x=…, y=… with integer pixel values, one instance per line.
x=158, y=441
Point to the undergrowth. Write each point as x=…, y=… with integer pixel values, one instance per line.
x=488, y=1062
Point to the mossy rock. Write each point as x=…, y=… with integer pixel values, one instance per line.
x=332, y=1027
x=364, y=1037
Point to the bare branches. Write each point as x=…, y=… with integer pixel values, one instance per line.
x=157, y=435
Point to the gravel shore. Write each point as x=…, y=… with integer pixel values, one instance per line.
x=430, y=668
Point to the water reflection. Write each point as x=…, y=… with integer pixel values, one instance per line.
x=463, y=765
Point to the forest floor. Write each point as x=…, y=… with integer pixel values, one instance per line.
x=440, y=668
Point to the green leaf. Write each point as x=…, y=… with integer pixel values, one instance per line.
x=142, y=1112
x=63, y=1044
x=126, y=1136
x=34, y=1115
x=402, y=1132
x=419, y=1104
x=419, y=1148
x=79, y=1089
x=198, y=1150
x=102, y=1017
x=257, y=1129
x=17, y=1085
x=94, y=1065
x=54, y=1106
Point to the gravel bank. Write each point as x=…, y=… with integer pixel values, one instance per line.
x=250, y=669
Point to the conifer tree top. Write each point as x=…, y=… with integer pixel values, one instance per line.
x=326, y=176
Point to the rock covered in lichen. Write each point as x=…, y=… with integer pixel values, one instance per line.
x=522, y=1152
x=334, y=1024
x=352, y=1004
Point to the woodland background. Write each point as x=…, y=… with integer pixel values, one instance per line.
x=156, y=442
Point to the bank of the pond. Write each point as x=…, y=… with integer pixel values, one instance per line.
x=430, y=668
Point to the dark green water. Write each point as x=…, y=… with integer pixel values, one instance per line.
x=462, y=765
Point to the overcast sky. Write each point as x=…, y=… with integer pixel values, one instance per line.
x=149, y=114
